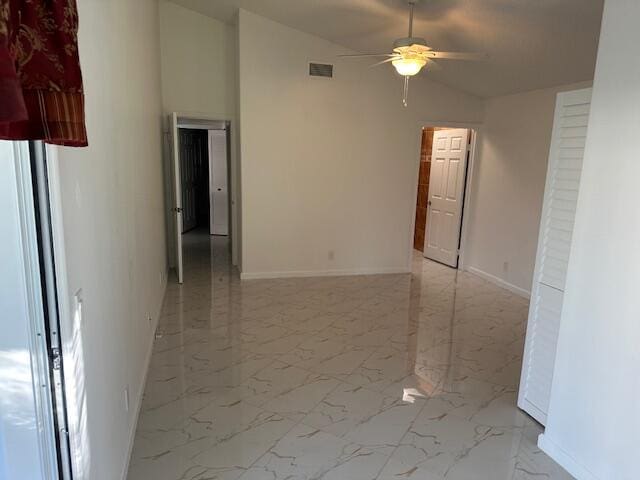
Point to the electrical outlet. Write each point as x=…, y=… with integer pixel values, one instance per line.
x=149, y=319
x=505, y=267
x=331, y=255
x=126, y=399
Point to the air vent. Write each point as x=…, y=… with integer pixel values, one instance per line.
x=321, y=70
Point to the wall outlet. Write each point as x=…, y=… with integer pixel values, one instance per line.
x=149, y=318
x=505, y=267
x=126, y=399
x=331, y=255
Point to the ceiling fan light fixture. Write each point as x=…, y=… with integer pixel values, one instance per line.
x=410, y=54
x=408, y=67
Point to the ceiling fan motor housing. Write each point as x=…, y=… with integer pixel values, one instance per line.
x=409, y=41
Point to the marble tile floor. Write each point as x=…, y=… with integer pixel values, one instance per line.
x=389, y=377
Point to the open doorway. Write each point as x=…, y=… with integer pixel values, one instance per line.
x=446, y=158
x=194, y=167
x=201, y=168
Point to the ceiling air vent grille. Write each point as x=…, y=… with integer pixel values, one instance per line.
x=321, y=70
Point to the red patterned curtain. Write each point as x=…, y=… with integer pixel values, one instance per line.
x=41, y=96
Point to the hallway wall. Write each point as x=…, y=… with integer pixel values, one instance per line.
x=113, y=213
x=198, y=56
x=329, y=166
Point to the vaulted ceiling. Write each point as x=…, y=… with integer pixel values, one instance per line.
x=531, y=43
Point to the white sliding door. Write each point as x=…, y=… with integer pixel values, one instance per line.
x=554, y=243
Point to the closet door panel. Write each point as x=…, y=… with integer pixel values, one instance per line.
x=554, y=246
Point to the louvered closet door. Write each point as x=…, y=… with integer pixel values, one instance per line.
x=554, y=244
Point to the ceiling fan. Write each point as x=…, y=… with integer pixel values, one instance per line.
x=411, y=54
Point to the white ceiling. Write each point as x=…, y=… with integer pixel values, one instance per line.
x=531, y=43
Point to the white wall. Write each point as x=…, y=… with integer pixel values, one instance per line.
x=113, y=219
x=593, y=428
x=508, y=186
x=328, y=165
x=199, y=77
x=198, y=63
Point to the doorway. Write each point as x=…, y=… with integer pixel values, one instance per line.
x=201, y=194
x=446, y=156
x=194, y=169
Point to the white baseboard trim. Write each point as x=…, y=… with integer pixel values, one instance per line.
x=565, y=460
x=500, y=282
x=531, y=409
x=140, y=393
x=321, y=273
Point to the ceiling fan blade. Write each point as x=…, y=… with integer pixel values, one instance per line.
x=457, y=56
x=358, y=55
x=432, y=65
x=383, y=62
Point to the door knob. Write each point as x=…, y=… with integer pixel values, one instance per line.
x=429, y=203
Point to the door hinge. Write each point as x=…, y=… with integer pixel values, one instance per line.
x=56, y=358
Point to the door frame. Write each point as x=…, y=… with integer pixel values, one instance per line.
x=476, y=131
x=201, y=119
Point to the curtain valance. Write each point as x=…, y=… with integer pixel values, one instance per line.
x=41, y=94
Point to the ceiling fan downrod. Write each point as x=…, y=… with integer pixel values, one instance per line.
x=405, y=90
x=412, y=4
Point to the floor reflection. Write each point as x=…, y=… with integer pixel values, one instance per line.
x=364, y=377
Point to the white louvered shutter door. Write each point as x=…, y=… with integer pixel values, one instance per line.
x=554, y=244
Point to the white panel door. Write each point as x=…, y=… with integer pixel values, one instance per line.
x=219, y=210
x=554, y=244
x=446, y=195
x=177, y=192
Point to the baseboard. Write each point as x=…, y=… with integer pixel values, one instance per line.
x=321, y=273
x=147, y=362
x=500, y=282
x=532, y=410
x=563, y=459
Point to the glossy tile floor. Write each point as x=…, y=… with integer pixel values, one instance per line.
x=399, y=377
